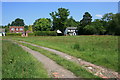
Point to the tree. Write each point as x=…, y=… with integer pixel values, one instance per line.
x=114, y=25
x=87, y=18
x=98, y=24
x=59, y=19
x=25, y=27
x=107, y=17
x=71, y=22
x=42, y=24
x=90, y=29
x=18, y=22
x=30, y=28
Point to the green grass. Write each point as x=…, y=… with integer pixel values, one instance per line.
x=73, y=67
x=0, y=58
x=17, y=63
x=99, y=50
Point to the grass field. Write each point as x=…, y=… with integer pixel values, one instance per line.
x=100, y=50
x=16, y=63
x=73, y=67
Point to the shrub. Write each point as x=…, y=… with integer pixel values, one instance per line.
x=13, y=34
x=31, y=34
x=77, y=47
x=45, y=33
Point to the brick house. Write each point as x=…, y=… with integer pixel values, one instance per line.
x=16, y=29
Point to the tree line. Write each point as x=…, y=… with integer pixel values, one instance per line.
x=109, y=24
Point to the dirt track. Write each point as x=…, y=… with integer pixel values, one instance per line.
x=96, y=70
x=54, y=70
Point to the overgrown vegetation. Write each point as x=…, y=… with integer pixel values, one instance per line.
x=99, y=50
x=16, y=63
x=13, y=34
x=45, y=33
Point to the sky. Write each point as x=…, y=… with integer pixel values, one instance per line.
x=30, y=11
x=59, y=0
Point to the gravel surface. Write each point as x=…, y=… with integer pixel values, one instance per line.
x=54, y=70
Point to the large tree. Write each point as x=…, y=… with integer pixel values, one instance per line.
x=87, y=18
x=42, y=24
x=96, y=27
x=114, y=25
x=71, y=22
x=60, y=18
x=18, y=22
x=107, y=17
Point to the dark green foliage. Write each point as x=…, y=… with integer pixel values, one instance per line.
x=42, y=24
x=87, y=18
x=45, y=33
x=13, y=34
x=114, y=25
x=25, y=28
x=59, y=19
x=78, y=47
x=31, y=34
x=107, y=17
x=18, y=22
x=71, y=22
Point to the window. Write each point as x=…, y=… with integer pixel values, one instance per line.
x=21, y=29
x=68, y=30
x=16, y=29
x=12, y=29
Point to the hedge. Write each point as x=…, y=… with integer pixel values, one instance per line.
x=31, y=34
x=45, y=33
x=37, y=33
x=13, y=34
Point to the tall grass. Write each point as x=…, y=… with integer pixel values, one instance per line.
x=16, y=63
x=99, y=50
x=73, y=67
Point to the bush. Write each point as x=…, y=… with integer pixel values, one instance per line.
x=45, y=33
x=78, y=47
x=13, y=34
x=31, y=34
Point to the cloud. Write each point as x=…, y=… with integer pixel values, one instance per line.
x=98, y=15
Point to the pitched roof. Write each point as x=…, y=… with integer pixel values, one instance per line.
x=71, y=28
x=16, y=26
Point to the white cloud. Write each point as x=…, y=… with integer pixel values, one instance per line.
x=98, y=15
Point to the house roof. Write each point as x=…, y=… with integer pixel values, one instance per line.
x=16, y=26
x=71, y=28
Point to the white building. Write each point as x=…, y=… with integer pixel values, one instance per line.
x=71, y=31
x=2, y=32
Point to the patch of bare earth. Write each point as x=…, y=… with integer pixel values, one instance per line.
x=96, y=70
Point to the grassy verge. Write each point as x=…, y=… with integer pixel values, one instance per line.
x=99, y=50
x=17, y=63
x=73, y=67
x=0, y=58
